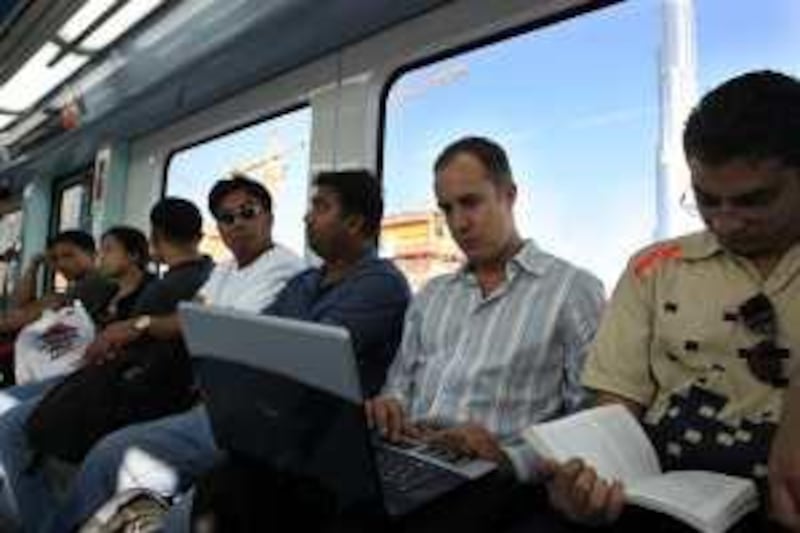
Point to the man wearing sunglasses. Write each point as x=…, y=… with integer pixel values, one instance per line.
x=353, y=288
x=251, y=280
x=260, y=267
x=701, y=334
x=258, y=270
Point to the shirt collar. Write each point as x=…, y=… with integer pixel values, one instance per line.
x=203, y=260
x=262, y=257
x=699, y=246
x=532, y=258
x=529, y=258
x=369, y=255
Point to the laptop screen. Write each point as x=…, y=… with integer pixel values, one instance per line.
x=281, y=393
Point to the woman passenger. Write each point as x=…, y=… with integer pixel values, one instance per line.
x=124, y=257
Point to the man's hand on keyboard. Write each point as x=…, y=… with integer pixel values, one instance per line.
x=388, y=416
x=469, y=439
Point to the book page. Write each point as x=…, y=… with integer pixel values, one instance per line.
x=709, y=501
x=609, y=438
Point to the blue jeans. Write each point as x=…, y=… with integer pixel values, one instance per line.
x=179, y=517
x=165, y=455
x=25, y=495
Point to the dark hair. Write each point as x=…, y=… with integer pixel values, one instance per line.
x=134, y=242
x=177, y=220
x=77, y=238
x=238, y=182
x=754, y=116
x=489, y=153
x=359, y=193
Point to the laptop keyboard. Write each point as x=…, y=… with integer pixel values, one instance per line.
x=404, y=473
x=443, y=454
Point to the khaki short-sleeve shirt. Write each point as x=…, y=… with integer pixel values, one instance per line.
x=672, y=340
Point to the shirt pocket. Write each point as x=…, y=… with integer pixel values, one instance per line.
x=692, y=337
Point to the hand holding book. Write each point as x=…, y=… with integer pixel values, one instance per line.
x=597, y=451
x=577, y=492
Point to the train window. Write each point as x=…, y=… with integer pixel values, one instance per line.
x=72, y=204
x=588, y=134
x=10, y=244
x=73, y=199
x=274, y=152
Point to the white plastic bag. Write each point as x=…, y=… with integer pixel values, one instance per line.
x=53, y=345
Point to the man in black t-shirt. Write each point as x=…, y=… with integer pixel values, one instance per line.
x=134, y=367
x=175, y=235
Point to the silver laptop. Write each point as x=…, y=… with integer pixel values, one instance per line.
x=287, y=393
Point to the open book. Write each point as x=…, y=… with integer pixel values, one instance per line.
x=610, y=439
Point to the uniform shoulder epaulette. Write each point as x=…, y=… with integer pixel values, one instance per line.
x=653, y=257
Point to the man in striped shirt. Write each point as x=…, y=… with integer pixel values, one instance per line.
x=486, y=351
x=498, y=345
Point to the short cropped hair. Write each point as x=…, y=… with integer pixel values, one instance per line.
x=754, y=116
x=238, y=182
x=177, y=221
x=489, y=153
x=78, y=238
x=359, y=193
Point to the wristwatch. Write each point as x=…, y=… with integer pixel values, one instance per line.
x=142, y=323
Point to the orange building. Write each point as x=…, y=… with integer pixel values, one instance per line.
x=419, y=244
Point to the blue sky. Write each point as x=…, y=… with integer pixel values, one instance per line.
x=575, y=105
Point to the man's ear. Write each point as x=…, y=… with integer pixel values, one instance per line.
x=355, y=224
x=511, y=193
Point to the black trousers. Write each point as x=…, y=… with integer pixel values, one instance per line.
x=246, y=499
x=494, y=504
x=501, y=505
x=633, y=520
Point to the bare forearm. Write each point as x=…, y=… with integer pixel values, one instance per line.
x=19, y=318
x=165, y=327
x=118, y=335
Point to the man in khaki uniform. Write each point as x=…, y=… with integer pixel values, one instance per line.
x=701, y=337
x=685, y=304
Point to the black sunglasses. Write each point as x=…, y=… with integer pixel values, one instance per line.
x=245, y=212
x=765, y=359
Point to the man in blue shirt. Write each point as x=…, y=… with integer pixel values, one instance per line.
x=353, y=288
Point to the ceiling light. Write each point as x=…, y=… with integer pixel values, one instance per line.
x=35, y=79
x=119, y=23
x=5, y=120
x=83, y=18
